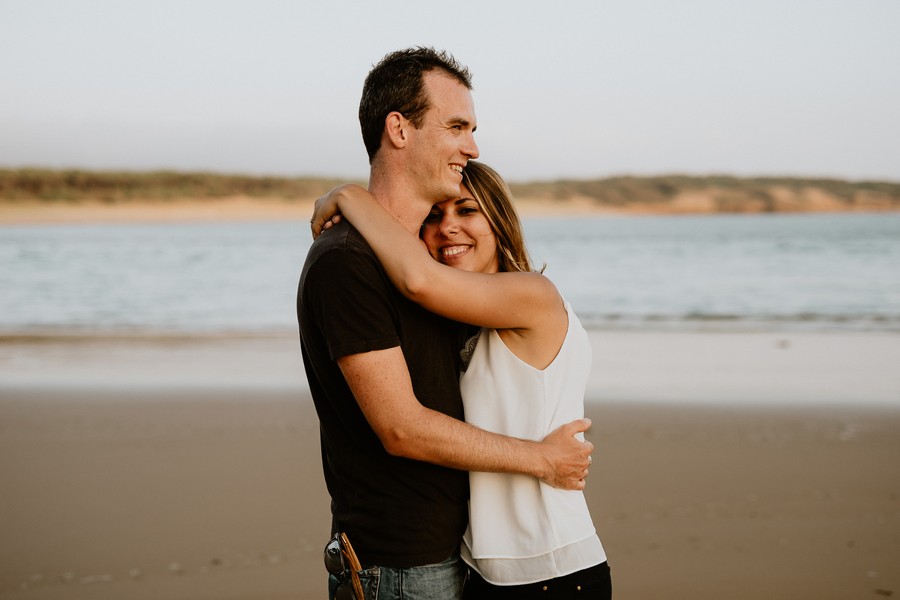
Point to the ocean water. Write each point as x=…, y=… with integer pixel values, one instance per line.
x=768, y=272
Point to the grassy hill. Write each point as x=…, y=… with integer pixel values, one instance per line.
x=662, y=194
x=122, y=186
x=717, y=194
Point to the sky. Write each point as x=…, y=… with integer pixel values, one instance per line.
x=568, y=89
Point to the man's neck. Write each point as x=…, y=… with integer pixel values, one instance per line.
x=400, y=200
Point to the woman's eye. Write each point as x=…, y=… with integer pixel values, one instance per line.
x=467, y=210
x=432, y=218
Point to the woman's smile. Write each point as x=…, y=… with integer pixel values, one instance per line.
x=458, y=234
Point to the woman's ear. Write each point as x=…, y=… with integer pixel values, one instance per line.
x=395, y=128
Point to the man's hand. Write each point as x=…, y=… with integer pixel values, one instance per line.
x=567, y=457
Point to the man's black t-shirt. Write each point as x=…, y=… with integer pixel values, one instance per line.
x=397, y=512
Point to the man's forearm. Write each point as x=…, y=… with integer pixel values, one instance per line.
x=560, y=460
x=380, y=383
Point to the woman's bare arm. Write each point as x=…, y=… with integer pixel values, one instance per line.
x=496, y=300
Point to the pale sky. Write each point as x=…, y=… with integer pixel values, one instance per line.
x=572, y=88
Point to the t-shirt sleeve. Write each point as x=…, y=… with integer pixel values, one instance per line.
x=351, y=301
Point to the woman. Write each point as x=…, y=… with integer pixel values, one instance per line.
x=525, y=377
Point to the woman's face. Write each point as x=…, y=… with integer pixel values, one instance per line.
x=458, y=234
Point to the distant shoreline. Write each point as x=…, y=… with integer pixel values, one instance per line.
x=31, y=212
x=31, y=196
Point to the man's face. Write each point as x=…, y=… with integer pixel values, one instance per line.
x=441, y=147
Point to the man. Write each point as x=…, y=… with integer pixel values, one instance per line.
x=384, y=372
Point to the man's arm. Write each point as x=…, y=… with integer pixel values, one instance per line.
x=381, y=384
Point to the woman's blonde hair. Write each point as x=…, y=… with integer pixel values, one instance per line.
x=495, y=201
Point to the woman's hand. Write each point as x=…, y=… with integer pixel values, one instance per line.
x=327, y=211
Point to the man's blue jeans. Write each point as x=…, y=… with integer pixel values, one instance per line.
x=442, y=581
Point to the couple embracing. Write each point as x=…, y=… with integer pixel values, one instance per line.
x=447, y=375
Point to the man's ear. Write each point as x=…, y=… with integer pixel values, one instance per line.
x=395, y=129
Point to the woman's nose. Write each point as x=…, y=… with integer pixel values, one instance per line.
x=449, y=226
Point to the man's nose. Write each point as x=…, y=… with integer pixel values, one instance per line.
x=470, y=148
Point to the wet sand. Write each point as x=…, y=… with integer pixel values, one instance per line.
x=739, y=465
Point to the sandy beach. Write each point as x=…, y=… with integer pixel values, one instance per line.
x=728, y=465
x=236, y=209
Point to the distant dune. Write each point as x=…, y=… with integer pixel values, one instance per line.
x=32, y=195
x=679, y=194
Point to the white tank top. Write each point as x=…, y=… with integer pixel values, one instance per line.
x=522, y=530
